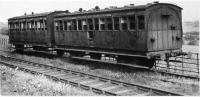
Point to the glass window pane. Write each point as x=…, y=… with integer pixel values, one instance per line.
x=141, y=22
x=132, y=25
x=116, y=23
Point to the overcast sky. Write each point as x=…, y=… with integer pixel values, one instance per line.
x=11, y=8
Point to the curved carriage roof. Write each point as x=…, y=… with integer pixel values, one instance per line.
x=114, y=9
x=31, y=15
x=118, y=9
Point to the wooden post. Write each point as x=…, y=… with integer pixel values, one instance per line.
x=167, y=60
x=182, y=65
x=198, y=63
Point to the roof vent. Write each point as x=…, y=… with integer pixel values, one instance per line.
x=32, y=12
x=149, y=3
x=97, y=8
x=132, y=4
x=24, y=13
x=80, y=10
x=67, y=11
x=126, y=6
x=106, y=8
x=112, y=7
x=156, y=2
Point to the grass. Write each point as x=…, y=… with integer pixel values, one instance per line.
x=14, y=82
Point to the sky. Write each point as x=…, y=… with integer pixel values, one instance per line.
x=12, y=8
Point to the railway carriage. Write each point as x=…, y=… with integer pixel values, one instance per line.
x=130, y=34
x=32, y=30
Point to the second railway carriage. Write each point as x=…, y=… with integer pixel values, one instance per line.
x=34, y=30
x=130, y=33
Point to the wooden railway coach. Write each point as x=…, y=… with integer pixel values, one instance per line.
x=130, y=32
x=32, y=30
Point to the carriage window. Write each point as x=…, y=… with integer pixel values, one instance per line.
x=116, y=23
x=79, y=25
x=96, y=23
x=90, y=24
x=123, y=22
x=12, y=26
x=84, y=23
x=35, y=25
x=9, y=25
x=32, y=25
x=17, y=26
x=56, y=25
x=165, y=16
x=41, y=25
x=90, y=35
x=65, y=25
x=141, y=22
x=74, y=24
x=60, y=25
x=132, y=25
x=102, y=24
x=45, y=24
x=109, y=23
x=22, y=25
x=29, y=25
x=69, y=25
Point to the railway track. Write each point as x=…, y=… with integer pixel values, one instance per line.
x=121, y=64
x=139, y=67
x=95, y=83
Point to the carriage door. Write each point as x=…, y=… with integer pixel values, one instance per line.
x=164, y=29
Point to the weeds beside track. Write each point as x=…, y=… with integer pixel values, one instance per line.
x=84, y=80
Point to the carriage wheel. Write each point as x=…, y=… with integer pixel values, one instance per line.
x=95, y=56
x=19, y=48
x=151, y=62
x=77, y=54
x=60, y=53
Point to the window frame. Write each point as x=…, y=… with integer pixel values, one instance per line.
x=135, y=22
x=138, y=22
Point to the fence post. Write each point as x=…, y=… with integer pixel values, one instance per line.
x=182, y=65
x=198, y=63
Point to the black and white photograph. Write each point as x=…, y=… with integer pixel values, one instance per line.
x=99, y=48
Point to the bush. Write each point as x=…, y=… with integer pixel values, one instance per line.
x=193, y=43
x=4, y=31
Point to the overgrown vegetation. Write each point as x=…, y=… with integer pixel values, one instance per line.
x=191, y=38
x=14, y=82
x=4, y=31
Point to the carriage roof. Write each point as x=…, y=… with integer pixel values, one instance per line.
x=93, y=11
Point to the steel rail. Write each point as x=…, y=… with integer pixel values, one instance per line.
x=134, y=66
x=140, y=67
x=74, y=78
